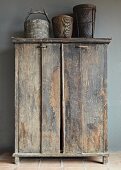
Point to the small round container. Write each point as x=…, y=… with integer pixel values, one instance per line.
x=62, y=26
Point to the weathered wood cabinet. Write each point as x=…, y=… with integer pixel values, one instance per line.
x=60, y=97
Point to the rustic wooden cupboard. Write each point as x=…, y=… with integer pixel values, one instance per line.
x=60, y=97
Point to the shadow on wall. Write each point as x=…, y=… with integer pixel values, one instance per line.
x=6, y=99
x=7, y=110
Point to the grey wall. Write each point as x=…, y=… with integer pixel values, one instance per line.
x=108, y=24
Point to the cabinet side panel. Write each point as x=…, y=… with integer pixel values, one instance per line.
x=29, y=98
x=51, y=98
x=72, y=99
x=93, y=98
x=105, y=130
x=16, y=98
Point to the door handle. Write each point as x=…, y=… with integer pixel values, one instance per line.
x=42, y=46
x=81, y=46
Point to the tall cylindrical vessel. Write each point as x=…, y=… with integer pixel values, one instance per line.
x=84, y=20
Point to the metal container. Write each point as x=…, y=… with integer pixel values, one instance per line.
x=84, y=20
x=62, y=26
x=37, y=28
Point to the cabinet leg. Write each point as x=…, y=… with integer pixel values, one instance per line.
x=17, y=160
x=105, y=159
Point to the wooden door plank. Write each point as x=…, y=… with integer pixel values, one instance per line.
x=93, y=98
x=29, y=97
x=105, y=118
x=16, y=99
x=51, y=98
x=85, y=98
x=72, y=99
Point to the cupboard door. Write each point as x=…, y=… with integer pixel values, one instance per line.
x=84, y=97
x=50, y=98
x=29, y=105
x=72, y=114
x=93, y=96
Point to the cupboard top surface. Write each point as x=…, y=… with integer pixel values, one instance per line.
x=63, y=40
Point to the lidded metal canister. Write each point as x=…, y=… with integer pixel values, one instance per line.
x=84, y=20
x=37, y=28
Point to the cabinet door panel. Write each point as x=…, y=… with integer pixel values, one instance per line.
x=51, y=98
x=72, y=100
x=84, y=98
x=29, y=97
x=93, y=96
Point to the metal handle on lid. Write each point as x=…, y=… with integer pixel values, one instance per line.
x=37, y=12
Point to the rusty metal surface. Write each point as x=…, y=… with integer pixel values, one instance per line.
x=37, y=28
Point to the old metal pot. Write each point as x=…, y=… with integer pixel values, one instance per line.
x=37, y=28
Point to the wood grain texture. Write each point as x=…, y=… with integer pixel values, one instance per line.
x=85, y=98
x=105, y=117
x=61, y=97
x=16, y=99
x=58, y=155
x=51, y=98
x=72, y=99
x=63, y=40
x=93, y=98
x=29, y=98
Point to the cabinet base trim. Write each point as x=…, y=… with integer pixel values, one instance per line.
x=59, y=155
